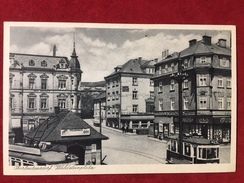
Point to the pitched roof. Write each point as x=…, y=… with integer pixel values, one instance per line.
x=170, y=57
x=50, y=60
x=200, y=48
x=102, y=95
x=134, y=66
x=50, y=130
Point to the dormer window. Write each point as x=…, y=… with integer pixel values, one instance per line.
x=62, y=64
x=31, y=63
x=202, y=60
x=44, y=63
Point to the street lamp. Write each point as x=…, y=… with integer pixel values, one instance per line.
x=179, y=76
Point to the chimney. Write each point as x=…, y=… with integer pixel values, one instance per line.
x=140, y=58
x=56, y=109
x=165, y=53
x=54, y=50
x=222, y=43
x=192, y=42
x=156, y=60
x=206, y=40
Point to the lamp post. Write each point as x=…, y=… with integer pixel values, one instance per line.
x=179, y=76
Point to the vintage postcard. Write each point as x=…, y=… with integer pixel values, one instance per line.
x=82, y=98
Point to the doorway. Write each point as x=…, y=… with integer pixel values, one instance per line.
x=79, y=152
x=205, y=131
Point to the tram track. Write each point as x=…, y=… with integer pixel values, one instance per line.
x=147, y=155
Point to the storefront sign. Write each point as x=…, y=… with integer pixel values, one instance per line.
x=166, y=113
x=223, y=120
x=75, y=132
x=184, y=120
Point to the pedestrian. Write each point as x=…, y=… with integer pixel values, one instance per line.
x=123, y=129
x=127, y=128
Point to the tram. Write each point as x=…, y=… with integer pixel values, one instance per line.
x=20, y=155
x=195, y=150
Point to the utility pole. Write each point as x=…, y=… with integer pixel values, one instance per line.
x=100, y=123
x=179, y=77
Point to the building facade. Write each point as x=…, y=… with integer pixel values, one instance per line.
x=100, y=108
x=128, y=94
x=38, y=83
x=206, y=91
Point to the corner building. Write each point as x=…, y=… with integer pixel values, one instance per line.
x=129, y=95
x=38, y=83
x=206, y=91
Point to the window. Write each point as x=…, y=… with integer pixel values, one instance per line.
x=43, y=84
x=31, y=63
x=43, y=63
x=202, y=80
x=151, y=94
x=186, y=103
x=166, y=68
x=134, y=81
x=61, y=103
x=160, y=104
x=203, y=103
x=10, y=83
x=185, y=63
x=173, y=66
x=228, y=83
x=185, y=84
x=61, y=84
x=31, y=83
x=172, y=84
x=31, y=124
x=151, y=83
x=228, y=103
x=172, y=103
x=108, y=98
x=160, y=70
x=134, y=95
x=31, y=103
x=135, y=108
x=160, y=87
x=43, y=103
x=220, y=103
x=202, y=60
x=220, y=82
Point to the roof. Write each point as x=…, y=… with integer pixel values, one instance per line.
x=170, y=57
x=194, y=140
x=134, y=66
x=50, y=60
x=93, y=84
x=102, y=95
x=50, y=130
x=200, y=48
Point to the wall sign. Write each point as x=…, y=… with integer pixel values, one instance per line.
x=75, y=132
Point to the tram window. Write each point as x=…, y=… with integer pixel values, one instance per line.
x=187, y=149
x=173, y=145
x=208, y=153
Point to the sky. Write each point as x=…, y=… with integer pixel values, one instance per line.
x=100, y=50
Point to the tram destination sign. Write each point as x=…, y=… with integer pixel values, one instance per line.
x=75, y=132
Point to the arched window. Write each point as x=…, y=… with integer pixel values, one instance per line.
x=31, y=63
x=44, y=63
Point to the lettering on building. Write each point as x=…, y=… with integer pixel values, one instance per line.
x=75, y=132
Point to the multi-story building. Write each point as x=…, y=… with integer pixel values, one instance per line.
x=99, y=106
x=128, y=93
x=38, y=83
x=206, y=91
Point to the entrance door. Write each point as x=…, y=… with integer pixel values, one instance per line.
x=79, y=152
x=205, y=131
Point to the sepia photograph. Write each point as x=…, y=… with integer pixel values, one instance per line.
x=83, y=98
